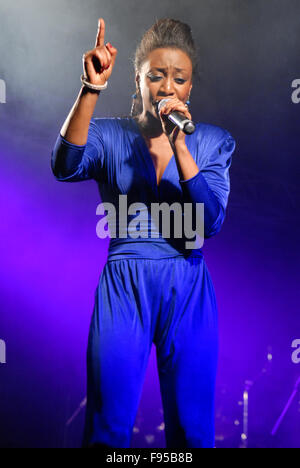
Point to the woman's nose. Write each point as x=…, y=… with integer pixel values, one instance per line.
x=168, y=86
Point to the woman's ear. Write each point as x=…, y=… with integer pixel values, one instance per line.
x=137, y=81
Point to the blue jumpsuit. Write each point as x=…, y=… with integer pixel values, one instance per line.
x=151, y=290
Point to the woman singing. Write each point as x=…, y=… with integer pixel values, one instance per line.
x=153, y=289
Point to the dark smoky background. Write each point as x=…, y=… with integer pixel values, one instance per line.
x=51, y=258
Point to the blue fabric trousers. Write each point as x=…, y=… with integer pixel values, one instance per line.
x=169, y=302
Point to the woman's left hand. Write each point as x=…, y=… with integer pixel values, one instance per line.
x=174, y=134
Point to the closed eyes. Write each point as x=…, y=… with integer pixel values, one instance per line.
x=157, y=78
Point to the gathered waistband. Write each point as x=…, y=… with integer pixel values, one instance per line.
x=149, y=248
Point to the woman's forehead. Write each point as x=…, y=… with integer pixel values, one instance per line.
x=169, y=58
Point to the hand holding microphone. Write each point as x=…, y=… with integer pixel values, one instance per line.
x=177, y=113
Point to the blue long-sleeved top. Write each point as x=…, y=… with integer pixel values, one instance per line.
x=117, y=157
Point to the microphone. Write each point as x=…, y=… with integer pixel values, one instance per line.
x=178, y=118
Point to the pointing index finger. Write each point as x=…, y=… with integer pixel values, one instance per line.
x=100, y=33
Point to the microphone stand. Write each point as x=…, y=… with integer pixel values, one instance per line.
x=76, y=412
x=248, y=385
x=286, y=408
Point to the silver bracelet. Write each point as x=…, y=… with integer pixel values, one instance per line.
x=91, y=85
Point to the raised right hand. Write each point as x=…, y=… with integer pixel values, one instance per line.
x=99, y=62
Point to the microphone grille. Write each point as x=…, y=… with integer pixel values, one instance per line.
x=161, y=103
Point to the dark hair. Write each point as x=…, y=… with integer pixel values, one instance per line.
x=165, y=32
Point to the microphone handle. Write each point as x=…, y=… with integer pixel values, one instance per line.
x=179, y=119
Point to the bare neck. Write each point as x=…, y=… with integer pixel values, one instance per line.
x=150, y=126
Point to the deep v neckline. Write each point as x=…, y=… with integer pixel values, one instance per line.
x=149, y=159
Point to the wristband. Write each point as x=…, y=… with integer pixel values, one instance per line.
x=91, y=85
